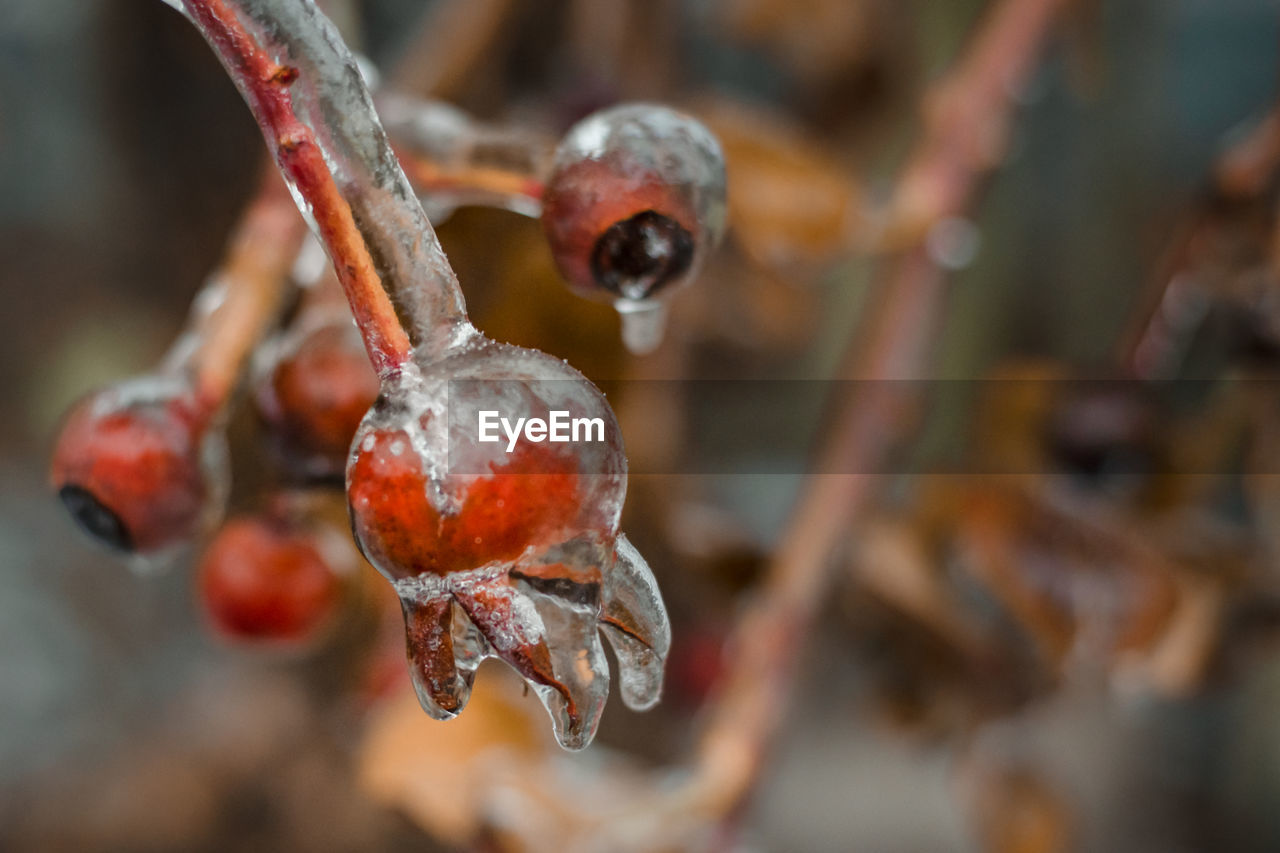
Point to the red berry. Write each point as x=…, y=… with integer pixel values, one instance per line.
x=264, y=578
x=533, y=501
x=635, y=200
x=315, y=396
x=133, y=465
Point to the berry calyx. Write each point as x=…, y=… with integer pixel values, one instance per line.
x=642, y=253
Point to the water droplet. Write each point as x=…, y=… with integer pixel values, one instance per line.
x=643, y=324
x=953, y=243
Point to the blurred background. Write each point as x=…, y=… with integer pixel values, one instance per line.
x=986, y=671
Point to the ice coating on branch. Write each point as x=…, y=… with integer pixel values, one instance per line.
x=458, y=161
x=634, y=204
x=327, y=95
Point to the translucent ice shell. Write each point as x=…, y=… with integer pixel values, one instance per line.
x=502, y=551
x=635, y=202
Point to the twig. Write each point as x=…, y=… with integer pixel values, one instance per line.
x=967, y=116
x=966, y=134
x=506, y=188
x=452, y=158
x=457, y=37
x=341, y=167
x=1246, y=168
x=1171, y=303
x=248, y=286
x=251, y=279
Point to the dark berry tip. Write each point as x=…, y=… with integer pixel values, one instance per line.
x=95, y=518
x=637, y=257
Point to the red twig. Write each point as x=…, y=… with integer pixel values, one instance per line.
x=265, y=85
x=967, y=116
x=429, y=177
x=253, y=275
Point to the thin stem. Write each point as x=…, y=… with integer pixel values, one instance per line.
x=1150, y=347
x=967, y=116
x=508, y=189
x=946, y=167
x=768, y=639
x=452, y=158
x=304, y=90
x=250, y=284
x=458, y=38
x=1246, y=168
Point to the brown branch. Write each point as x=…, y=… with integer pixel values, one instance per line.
x=252, y=276
x=264, y=245
x=452, y=158
x=430, y=178
x=265, y=85
x=1246, y=168
x=969, y=117
x=1164, y=311
x=457, y=38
